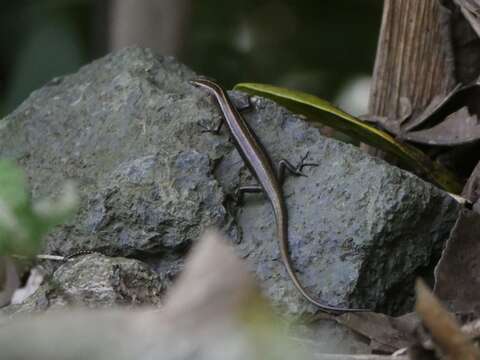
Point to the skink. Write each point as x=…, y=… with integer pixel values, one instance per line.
x=260, y=165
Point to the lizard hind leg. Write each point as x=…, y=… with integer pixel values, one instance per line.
x=241, y=191
x=295, y=170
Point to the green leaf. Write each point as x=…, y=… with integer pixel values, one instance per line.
x=23, y=224
x=322, y=112
x=14, y=210
x=13, y=186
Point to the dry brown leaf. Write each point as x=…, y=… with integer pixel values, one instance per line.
x=435, y=105
x=457, y=275
x=451, y=120
x=458, y=128
x=471, y=10
x=386, y=334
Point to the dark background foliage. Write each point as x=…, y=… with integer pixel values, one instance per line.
x=317, y=46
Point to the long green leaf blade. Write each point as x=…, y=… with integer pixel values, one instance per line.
x=320, y=111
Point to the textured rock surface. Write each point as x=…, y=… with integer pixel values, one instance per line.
x=359, y=228
x=126, y=129
x=95, y=281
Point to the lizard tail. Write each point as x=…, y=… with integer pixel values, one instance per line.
x=282, y=233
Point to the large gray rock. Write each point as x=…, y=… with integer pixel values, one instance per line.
x=126, y=129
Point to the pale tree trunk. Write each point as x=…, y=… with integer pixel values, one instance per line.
x=156, y=24
x=426, y=48
x=414, y=62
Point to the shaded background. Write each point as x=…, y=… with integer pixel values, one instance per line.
x=325, y=47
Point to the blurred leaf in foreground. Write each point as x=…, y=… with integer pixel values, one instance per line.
x=447, y=336
x=23, y=224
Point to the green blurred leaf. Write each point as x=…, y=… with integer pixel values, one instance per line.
x=14, y=210
x=13, y=185
x=23, y=224
x=320, y=111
